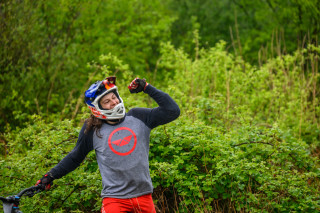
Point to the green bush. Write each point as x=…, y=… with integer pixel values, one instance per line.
x=33, y=151
x=246, y=169
x=200, y=167
x=247, y=139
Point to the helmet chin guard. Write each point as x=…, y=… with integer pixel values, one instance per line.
x=94, y=94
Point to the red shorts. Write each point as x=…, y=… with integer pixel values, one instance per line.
x=142, y=204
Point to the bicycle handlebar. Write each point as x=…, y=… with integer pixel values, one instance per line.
x=30, y=192
x=3, y=199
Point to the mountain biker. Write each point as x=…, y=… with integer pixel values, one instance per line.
x=121, y=143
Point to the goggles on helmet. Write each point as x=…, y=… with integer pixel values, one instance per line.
x=94, y=94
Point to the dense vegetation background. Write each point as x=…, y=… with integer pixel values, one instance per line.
x=244, y=73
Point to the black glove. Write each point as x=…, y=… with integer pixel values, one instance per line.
x=46, y=181
x=137, y=85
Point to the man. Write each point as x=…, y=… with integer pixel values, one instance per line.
x=121, y=143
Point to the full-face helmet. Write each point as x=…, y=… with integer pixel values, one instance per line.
x=94, y=94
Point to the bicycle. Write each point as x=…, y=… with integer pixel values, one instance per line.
x=11, y=203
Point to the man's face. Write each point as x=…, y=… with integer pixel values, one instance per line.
x=109, y=101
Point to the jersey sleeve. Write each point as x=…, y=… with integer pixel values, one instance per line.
x=167, y=111
x=72, y=160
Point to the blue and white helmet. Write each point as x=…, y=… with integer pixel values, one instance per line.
x=99, y=89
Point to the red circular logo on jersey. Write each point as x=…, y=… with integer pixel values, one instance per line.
x=123, y=141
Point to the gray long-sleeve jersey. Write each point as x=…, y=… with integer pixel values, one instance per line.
x=122, y=150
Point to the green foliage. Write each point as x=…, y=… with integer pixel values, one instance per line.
x=226, y=91
x=236, y=146
x=246, y=169
x=46, y=46
x=272, y=27
x=32, y=152
x=247, y=134
x=244, y=74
